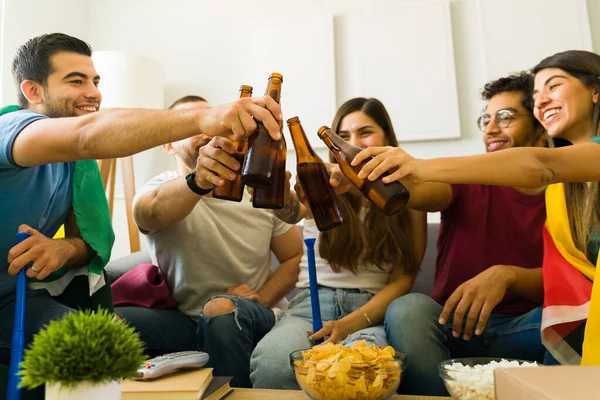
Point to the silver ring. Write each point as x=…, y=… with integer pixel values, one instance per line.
x=34, y=269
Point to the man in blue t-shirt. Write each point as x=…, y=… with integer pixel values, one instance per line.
x=38, y=146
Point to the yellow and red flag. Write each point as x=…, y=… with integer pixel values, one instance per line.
x=570, y=296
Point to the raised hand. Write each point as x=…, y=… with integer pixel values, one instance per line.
x=215, y=163
x=399, y=163
x=237, y=120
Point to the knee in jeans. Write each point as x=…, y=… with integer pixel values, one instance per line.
x=412, y=306
x=218, y=306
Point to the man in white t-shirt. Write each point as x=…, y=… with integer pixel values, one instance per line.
x=215, y=256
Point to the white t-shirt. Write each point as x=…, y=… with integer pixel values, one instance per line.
x=369, y=277
x=219, y=244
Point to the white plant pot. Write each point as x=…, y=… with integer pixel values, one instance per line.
x=85, y=390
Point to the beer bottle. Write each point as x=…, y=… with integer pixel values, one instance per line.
x=261, y=157
x=389, y=198
x=313, y=177
x=274, y=196
x=234, y=190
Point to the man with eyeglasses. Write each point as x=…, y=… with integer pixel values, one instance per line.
x=488, y=282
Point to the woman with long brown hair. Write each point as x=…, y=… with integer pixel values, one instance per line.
x=362, y=265
x=566, y=96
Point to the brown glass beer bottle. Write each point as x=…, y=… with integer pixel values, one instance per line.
x=274, y=196
x=313, y=177
x=234, y=190
x=389, y=198
x=261, y=157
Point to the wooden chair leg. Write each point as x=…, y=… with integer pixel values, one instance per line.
x=129, y=188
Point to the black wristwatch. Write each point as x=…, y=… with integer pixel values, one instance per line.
x=191, y=182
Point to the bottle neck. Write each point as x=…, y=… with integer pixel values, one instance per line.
x=274, y=89
x=336, y=143
x=304, y=151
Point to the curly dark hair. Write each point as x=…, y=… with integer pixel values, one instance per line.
x=32, y=61
x=519, y=82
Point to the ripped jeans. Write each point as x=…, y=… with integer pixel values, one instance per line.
x=228, y=338
x=270, y=363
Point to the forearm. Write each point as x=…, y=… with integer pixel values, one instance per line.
x=281, y=282
x=122, y=132
x=293, y=210
x=376, y=307
x=526, y=283
x=521, y=167
x=166, y=205
x=80, y=252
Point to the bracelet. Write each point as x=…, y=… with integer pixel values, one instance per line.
x=366, y=316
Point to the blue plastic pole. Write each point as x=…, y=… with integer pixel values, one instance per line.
x=13, y=392
x=314, y=286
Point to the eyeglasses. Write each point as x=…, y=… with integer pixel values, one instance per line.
x=502, y=118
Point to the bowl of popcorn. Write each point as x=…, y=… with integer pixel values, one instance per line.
x=473, y=378
x=360, y=372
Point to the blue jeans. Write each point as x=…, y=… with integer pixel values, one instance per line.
x=411, y=325
x=228, y=339
x=270, y=363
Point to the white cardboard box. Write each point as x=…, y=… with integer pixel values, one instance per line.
x=548, y=383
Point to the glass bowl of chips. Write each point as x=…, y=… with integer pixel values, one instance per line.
x=360, y=372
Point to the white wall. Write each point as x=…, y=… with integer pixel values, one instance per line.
x=24, y=19
x=147, y=27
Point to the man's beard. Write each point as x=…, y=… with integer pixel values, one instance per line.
x=53, y=110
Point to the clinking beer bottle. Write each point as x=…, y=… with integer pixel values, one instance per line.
x=261, y=157
x=274, y=196
x=389, y=198
x=314, y=179
x=234, y=190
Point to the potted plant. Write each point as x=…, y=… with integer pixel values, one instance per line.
x=85, y=355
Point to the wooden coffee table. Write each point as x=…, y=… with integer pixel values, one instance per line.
x=270, y=394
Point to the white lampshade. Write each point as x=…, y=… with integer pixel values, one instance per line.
x=132, y=81
x=129, y=81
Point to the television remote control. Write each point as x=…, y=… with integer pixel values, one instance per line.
x=167, y=363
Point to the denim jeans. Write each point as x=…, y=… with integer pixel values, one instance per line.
x=228, y=339
x=270, y=363
x=411, y=325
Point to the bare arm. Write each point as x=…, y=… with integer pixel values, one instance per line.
x=531, y=167
x=166, y=205
x=428, y=196
x=119, y=133
x=172, y=201
x=288, y=249
x=526, y=283
x=372, y=313
x=83, y=253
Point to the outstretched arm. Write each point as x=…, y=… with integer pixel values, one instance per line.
x=119, y=133
x=532, y=167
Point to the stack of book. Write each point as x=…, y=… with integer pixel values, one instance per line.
x=197, y=384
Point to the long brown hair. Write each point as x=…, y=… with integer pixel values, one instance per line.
x=380, y=240
x=583, y=201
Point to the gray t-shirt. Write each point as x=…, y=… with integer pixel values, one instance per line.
x=220, y=244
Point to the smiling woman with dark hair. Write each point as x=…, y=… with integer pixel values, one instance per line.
x=566, y=102
x=362, y=265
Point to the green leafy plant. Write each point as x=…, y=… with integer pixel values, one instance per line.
x=86, y=346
